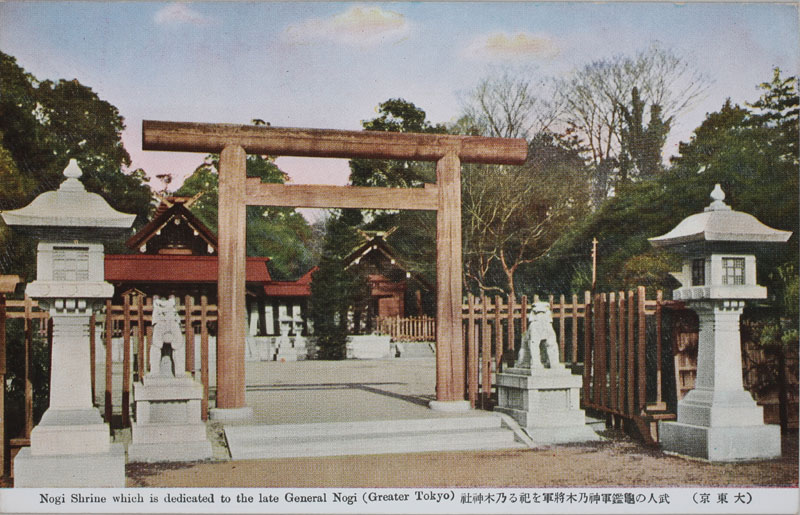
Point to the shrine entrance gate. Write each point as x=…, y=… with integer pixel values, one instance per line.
x=237, y=191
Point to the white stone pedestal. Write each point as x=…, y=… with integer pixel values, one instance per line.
x=71, y=446
x=719, y=420
x=168, y=423
x=545, y=402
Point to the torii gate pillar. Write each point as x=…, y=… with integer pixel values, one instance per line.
x=236, y=192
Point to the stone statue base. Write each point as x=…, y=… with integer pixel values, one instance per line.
x=70, y=448
x=546, y=404
x=168, y=423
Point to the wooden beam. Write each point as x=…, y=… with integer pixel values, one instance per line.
x=323, y=196
x=231, y=292
x=282, y=141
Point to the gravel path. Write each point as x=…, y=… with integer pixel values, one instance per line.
x=618, y=461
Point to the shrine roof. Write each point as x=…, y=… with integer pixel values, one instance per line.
x=169, y=208
x=299, y=288
x=377, y=243
x=167, y=268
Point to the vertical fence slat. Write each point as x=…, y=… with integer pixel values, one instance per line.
x=597, y=358
x=562, y=342
x=204, y=355
x=140, y=332
x=28, y=367
x=486, y=354
x=92, y=353
x=472, y=358
x=642, y=337
x=523, y=324
x=109, y=363
x=602, y=350
x=630, y=352
x=510, y=329
x=659, y=299
x=621, y=344
x=612, y=350
x=126, y=360
x=3, y=444
x=498, y=334
x=189, y=331
x=574, y=328
x=587, y=347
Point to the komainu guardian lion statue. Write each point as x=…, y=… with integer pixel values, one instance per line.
x=539, y=347
x=167, y=329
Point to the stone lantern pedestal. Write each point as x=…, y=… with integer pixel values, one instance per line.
x=719, y=420
x=70, y=447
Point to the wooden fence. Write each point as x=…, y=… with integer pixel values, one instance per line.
x=35, y=322
x=606, y=335
x=411, y=329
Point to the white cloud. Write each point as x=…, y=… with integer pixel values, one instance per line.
x=178, y=13
x=518, y=46
x=358, y=26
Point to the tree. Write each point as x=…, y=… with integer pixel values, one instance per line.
x=334, y=289
x=640, y=151
x=278, y=232
x=42, y=125
x=513, y=214
x=752, y=153
x=504, y=105
x=592, y=99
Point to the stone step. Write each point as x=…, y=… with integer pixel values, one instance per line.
x=372, y=437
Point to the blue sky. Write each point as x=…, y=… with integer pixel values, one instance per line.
x=328, y=65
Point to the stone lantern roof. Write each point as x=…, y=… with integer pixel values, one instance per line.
x=69, y=213
x=719, y=223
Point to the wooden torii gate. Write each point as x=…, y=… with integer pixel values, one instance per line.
x=237, y=191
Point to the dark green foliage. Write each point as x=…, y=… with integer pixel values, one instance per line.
x=334, y=289
x=752, y=153
x=42, y=125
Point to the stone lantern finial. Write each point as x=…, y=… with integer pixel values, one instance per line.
x=718, y=197
x=73, y=171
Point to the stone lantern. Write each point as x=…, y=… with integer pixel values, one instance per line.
x=70, y=446
x=719, y=420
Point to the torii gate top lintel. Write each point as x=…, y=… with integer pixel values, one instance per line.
x=236, y=191
x=282, y=141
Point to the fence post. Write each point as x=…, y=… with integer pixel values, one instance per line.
x=621, y=342
x=613, y=354
x=630, y=352
x=574, y=328
x=510, y=342
x=140, y=332
x=587, y=347
x=92, y=353
x=28, y=367
x=641, y=350
x=486, y=354
x=472, y=348
x=498, y=334
x=109, y=363
x=204, y=355
x=189, y=330
x=126, y=360
x=3, y=444
x=659, y=390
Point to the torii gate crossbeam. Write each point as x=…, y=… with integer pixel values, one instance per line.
x=236, y=192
